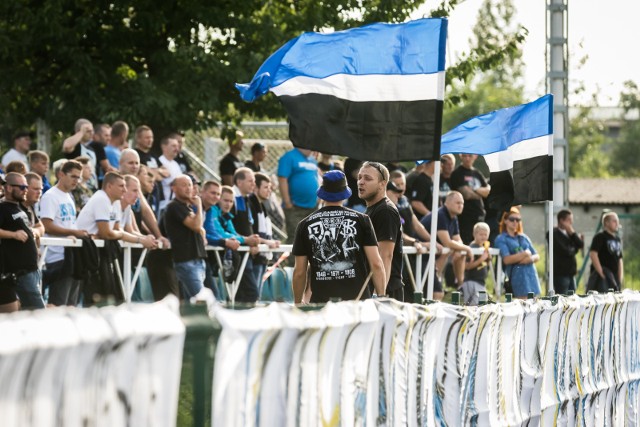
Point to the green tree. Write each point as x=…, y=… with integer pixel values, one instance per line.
x=499, y=84
x=589, y=152
x=626, y=151
x=169, y=64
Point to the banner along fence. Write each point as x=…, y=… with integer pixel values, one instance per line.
x=113, y=366
x=567, y=361
x=571, y=361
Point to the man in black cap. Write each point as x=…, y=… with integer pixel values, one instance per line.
x=340, y=246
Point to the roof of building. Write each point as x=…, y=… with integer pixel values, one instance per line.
x=604, y=191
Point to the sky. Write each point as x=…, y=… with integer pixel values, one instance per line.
x=606, y=33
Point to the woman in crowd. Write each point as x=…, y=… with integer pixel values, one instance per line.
x=518, y=255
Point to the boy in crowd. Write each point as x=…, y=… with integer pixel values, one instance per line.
x=476, y=270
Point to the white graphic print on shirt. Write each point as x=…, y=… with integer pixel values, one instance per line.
x=334, y=247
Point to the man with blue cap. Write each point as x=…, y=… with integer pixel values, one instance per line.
x=339, y=247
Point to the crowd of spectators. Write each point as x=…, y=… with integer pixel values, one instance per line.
x=105, y=189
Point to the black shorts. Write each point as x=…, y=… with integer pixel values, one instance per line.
x=437, y=285
x=7, y=295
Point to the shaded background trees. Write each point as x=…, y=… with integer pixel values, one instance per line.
x=170, y=64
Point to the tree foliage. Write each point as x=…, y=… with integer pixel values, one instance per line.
x=626, y=151
x=171, y=64
x=497, y=83
x=589, y=152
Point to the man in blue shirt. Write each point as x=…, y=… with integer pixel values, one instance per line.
x=299, y=182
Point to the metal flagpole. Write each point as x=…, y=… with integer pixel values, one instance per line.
x=434, y=229
x=550, y=259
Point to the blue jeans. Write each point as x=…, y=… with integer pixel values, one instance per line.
x=563, y=284
x=28, y=290
x=248, y=287
x=191, y=275
x=258, y=272
x=210, y=281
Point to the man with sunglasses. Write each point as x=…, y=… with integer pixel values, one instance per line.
x=372, y=188
x=19, y=254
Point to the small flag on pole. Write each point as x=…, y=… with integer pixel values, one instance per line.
x=517, y=144
x=374, y=92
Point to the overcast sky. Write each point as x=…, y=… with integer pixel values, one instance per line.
x=606, y=32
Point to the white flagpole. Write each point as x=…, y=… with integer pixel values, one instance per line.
x=550, y=259
x=434, y=229
x=550, y=215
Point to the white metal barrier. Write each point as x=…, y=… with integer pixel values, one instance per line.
x=128, y=281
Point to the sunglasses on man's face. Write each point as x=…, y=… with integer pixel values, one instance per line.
x=514, y=219
x=22, y=187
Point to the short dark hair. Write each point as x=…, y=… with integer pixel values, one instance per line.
x=260, y=178
x=32, y=176
x=110, y=178
x=164, y=141
x=258, y=146
x=119, y=128
x=22, y=133
x=563, y=214
x=210, y=183
x=16, y=166
x=226, y=189
x=70, y=165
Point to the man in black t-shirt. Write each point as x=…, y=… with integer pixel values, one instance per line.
x=607, y=270
x=143, y=145
x=258, y=154
x=340, y=246
x=372, y=188
x=474, y=189
x=18, y=253
x=230, y=162
x=421, y=189
x=566, y=243
x=184, y=229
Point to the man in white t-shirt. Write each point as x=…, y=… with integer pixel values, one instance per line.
x=170, y=149
x=58, y=215
x=101, y=216
x=21, y=145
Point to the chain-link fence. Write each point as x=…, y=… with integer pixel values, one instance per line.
x=206, y=149
x=209, y=146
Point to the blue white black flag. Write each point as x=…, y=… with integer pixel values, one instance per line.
x=517, y=144
x=374, y=92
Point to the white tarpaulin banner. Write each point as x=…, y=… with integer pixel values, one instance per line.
x=112, y=366
x=380, y=362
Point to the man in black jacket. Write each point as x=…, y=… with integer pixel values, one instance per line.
x=566, y=242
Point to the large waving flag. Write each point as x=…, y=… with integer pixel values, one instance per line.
x=374, y=92
x=517, y=144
